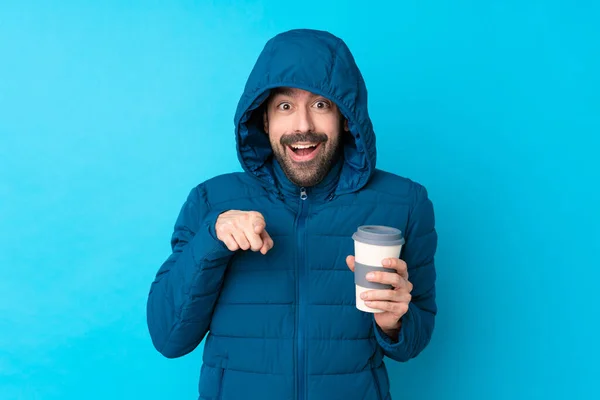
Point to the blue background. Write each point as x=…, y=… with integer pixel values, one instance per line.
x=111, y=111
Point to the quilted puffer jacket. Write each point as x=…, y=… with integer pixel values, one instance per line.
x=284, y=325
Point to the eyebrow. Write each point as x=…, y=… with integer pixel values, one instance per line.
x=283, y=91
x=289, y=92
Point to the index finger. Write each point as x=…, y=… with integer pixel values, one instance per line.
x=397, y=264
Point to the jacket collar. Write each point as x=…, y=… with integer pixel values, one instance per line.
x=323, y=191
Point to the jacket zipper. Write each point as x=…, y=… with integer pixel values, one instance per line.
x=301, y=300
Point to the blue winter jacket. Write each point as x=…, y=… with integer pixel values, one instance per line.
x=284, y=325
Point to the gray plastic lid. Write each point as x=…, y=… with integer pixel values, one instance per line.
x=379, y=235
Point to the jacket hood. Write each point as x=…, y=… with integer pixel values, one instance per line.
x=321, y=63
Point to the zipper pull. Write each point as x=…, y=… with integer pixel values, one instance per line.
x=303, y=194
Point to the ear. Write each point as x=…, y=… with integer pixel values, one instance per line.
x=265, y=121
x=346, y=125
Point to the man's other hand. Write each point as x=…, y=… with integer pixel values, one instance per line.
x=243, y=230
x=393, y=302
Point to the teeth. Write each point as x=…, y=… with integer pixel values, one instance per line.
x=303, y=146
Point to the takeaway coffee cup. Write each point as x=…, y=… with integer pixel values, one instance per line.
x=372, y=244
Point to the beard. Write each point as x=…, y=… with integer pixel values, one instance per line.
x=312, y=172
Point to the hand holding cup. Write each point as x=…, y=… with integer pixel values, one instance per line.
x=381, y=277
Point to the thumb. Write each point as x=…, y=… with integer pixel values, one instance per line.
x=258, y=225
x=267, y=242
x=350, y=262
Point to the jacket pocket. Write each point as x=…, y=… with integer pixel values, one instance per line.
x=211, y=382
x=376, y=383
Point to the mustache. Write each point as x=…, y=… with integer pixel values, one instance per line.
x=312, y=137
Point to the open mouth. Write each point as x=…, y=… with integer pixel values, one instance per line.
x=303, y=151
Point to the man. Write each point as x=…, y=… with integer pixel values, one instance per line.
x=262, y=260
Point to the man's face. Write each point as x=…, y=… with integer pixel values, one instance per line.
x=305, y=133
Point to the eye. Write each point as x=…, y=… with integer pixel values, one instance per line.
x=284, y=106
x=322, y=105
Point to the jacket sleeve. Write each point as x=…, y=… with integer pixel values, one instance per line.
x=183, y=294
x=418, y=253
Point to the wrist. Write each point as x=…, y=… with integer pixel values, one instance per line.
x=393, y=332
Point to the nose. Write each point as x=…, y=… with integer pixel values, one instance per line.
x=303, y=121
